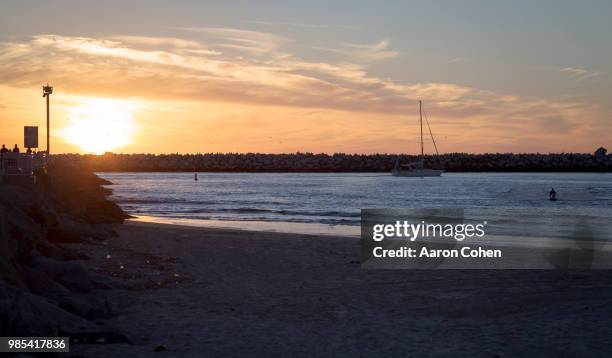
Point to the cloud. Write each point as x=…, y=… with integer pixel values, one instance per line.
x=372, y=52
x=167, y=43
x=252, y=42
x=457, y=60
x=589, y=75
x=364, y=52
x=249, y=67
x=574, y=71
x=303, y=25
x=580, y=74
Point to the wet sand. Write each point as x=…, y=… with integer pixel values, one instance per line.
x=217, y=292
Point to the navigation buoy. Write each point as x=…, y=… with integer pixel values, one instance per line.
x=195, y=178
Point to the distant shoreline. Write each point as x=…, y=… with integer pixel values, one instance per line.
x=338, y=163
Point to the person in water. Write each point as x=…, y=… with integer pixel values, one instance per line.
x=552, y=194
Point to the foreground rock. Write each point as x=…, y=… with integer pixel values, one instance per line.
x=44, y=289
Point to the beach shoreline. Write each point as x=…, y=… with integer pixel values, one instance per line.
x=298, y=228
x=193, y=291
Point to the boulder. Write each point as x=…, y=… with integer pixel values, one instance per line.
x=39, y=283
x=70, y=274
x=89, y=306
x=59, y=252
x=71, y=230
x=68, y=230
x=28, y=315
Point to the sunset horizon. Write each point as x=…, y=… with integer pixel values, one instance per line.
x=321, y=178
x=268, y=83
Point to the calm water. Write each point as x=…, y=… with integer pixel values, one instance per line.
x=336, y=199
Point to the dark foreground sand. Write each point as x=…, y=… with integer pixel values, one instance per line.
x=202, y=292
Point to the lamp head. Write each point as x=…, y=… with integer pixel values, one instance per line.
x=47, y=90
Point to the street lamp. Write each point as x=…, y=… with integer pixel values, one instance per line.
x=47, y=90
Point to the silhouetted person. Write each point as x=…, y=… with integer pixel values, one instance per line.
x=552, y=194
x=29, y=151
x=2, y=151
x=16, y=149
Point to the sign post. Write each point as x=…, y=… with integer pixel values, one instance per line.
x=30, y=137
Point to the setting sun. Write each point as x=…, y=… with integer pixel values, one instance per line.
x=100, y=125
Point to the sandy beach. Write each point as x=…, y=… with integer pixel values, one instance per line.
x=186, y=291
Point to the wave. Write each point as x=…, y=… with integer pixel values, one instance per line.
x=329, y=221
x=128, y=200
x=247, y=210
x=124, y=200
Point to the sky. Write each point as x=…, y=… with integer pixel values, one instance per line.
x=308, y=76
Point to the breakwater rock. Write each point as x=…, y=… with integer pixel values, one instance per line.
x=44, y=289
x=309, y=162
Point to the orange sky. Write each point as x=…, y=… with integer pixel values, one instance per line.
x=243, y=91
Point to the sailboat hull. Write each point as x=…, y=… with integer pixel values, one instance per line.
x=419, y=173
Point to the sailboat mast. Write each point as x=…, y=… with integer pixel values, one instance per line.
x=421, y=122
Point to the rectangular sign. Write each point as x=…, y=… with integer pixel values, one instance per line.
x=30, y=137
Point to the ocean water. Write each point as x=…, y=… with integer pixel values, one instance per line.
x=329, y=202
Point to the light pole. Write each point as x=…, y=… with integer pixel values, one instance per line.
x=47, y=90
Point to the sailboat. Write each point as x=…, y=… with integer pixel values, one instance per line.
x=417, y=169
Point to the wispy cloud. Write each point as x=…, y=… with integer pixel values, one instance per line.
x=165, y=43
x=580, y=74
x=457, y=60
x=253, y=42
x=574, y=71
x=589, y=75
x=213, y=70
x=304, y=25
x=372, y=52
x=364, y=52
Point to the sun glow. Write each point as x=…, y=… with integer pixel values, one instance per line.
x=100, y=125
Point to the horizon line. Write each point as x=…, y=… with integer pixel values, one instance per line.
x=331, y=154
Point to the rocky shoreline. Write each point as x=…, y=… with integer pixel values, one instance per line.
x=309, y=162
x=45, y=290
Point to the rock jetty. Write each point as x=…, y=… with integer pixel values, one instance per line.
x=339, y=162
x=44, y=289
